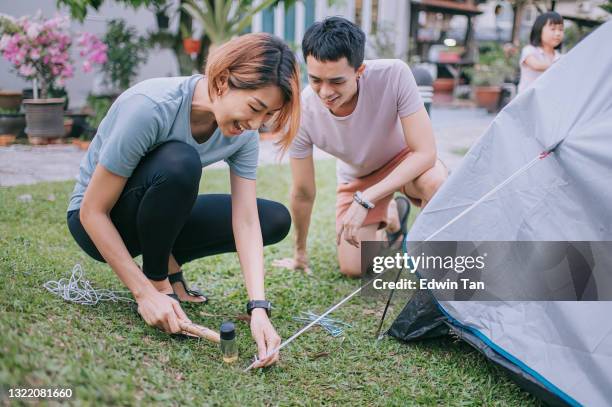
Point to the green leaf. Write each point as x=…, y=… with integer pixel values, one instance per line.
x=201, y=15
x=246, y=18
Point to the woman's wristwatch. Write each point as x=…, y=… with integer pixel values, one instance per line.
x=251, y=305
x=361, y=200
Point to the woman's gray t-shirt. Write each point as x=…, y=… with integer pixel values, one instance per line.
x=149, y=114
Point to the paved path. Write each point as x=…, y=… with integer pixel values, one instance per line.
x=455, y=129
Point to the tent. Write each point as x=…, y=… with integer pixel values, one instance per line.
x=558, y=350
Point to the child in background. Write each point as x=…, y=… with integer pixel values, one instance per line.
x=546, y=37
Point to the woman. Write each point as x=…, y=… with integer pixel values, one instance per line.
x=137, y=190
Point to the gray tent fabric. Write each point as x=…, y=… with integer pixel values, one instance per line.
x=563, y=347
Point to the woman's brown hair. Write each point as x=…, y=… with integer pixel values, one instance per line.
x=255, y=61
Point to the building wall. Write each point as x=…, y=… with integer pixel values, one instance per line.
x=290, y=26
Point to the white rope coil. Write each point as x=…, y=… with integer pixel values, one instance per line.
x=80, y=291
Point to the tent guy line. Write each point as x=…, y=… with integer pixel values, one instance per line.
x=518, y=172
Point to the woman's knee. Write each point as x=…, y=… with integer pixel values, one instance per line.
x=81, y=237
x=275, y=221
x=180, y=164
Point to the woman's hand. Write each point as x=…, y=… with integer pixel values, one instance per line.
x=265, y=336
x=351, y=223
x=161, y=311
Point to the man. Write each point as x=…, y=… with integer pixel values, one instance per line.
x=370, y=116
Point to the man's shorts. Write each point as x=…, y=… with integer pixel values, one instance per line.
x=377, y=215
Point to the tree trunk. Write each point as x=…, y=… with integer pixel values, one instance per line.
x=518, y=8
x=43, y=88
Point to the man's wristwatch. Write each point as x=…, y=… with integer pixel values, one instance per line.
x=251, y=305
x=361, y=200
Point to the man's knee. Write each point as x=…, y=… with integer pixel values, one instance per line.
x=350, y=268
x=429, y=182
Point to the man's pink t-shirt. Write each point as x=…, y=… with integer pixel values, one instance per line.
x=372, y=134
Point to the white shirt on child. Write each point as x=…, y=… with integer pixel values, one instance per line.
x=529, y=75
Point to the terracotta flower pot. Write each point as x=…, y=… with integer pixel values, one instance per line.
x=10, y=100
x=68, y=123
x=79, y=124
x=44, y=120
x=487, y=97
x=443, y=85
x=192, y=46
x=81, y=144
x=7, y=139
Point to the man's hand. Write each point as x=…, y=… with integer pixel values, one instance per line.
x=299, y=262
x=351, y=223
x=265, y=336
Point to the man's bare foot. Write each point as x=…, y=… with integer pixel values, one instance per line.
x=393, y=220
x=290, y=263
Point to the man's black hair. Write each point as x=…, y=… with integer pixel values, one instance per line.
x=334, y=38
x=536, y=31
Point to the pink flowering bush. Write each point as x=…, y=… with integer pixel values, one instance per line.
x=39, y=49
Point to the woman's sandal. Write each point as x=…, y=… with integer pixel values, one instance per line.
x=192, y=292
x=403, y=211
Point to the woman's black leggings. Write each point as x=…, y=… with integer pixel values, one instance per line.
x=160, y=212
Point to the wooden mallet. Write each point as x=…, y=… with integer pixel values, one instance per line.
x=200, y=331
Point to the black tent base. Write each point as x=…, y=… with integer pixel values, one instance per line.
x=421, y=319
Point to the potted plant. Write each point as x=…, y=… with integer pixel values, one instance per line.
x=10, y=100
x=489, y=74
x=97, y=107
x=79, y=122
x=126, y=51
x=443, y=85
x=39, y=50
x=161, y=15
x=84, y=140
x=12, y=124
x=191, y=46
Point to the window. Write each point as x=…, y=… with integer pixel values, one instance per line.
x=309, y=15
x=290, y=24
x=267, y=20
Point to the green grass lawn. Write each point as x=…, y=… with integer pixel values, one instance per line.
x=107, y=354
